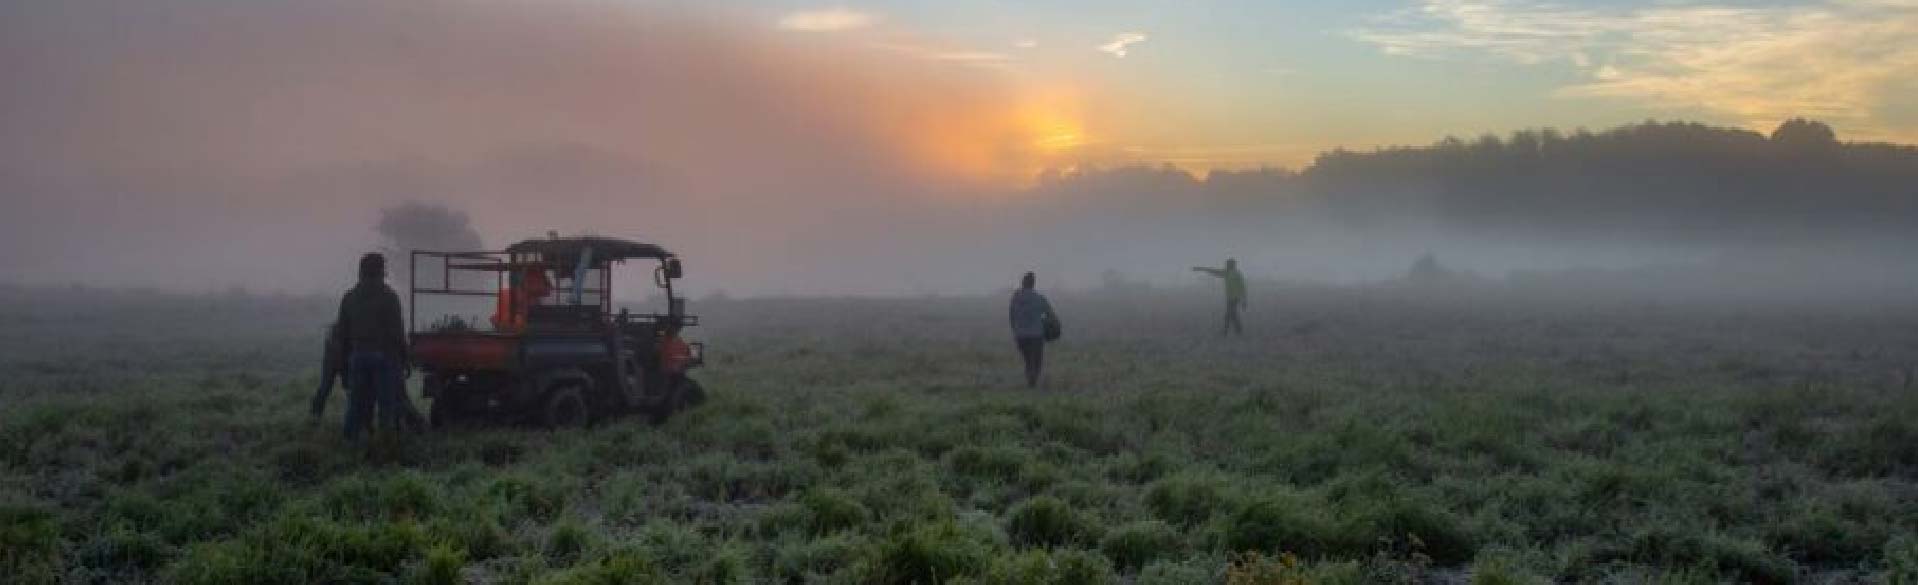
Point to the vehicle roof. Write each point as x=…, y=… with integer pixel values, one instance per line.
x=604, y=248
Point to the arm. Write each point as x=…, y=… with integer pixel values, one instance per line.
x=1214, y=272
x=1046, y=305
x=335, y=359
x=342, y=326
x=395, y=328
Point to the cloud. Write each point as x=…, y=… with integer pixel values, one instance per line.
x=827, y=20
x=1839, y=60
x=971, y=56
x=959, y=56
x=1120, y=42
x=1025, y=44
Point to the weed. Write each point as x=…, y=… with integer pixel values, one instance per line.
x=1048, y=521
x=442, y=565
x=1285, y=525
x=29, y=544
x=1187, y=499
x=832, y=510
x=566, y=541
x=930, y=553
x=1133, y=545
x=1058, y=567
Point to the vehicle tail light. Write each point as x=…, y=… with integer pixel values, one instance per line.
x=674, y=354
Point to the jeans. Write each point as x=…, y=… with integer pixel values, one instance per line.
x=1033, y=350
x=373, y=377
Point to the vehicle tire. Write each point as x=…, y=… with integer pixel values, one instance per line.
x=692, y=394
x=667, y=405
x=629, y=396
x=565, y=408
x=441, y=413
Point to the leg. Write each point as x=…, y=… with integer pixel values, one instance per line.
x=1032, y=350
x=360, y=394
x=1025, y=357
x=1232, y=322
x=392, y=411
x=403, y=412
x=1038, y=361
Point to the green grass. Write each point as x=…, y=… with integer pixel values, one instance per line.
x=1398, y=439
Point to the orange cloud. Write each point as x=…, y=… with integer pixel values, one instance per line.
x=1838, y=60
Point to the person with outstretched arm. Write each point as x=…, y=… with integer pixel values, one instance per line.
x=1234, y=294
x=373, y=336
x=1033, y=324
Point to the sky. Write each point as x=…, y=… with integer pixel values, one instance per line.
x=789, y=146
x=1245, y=83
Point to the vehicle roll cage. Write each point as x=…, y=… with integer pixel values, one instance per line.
x=504, y=263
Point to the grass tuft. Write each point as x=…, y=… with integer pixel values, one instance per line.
x=1048, y=521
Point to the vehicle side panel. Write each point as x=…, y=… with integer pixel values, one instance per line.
x=470, y=351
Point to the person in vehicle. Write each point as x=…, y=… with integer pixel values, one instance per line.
x=528, y=286
x=372, y=334
x=1234, y=294
x=1029, y=313
x=332, y=368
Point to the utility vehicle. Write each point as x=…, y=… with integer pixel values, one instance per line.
x=554, y=352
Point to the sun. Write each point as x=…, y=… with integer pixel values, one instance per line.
x=1009, y=143
x=1055, y=134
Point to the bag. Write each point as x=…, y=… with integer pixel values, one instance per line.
x=1052, y=328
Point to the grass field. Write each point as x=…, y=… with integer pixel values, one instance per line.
x=1356, y=435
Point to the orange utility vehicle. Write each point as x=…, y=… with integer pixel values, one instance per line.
x=555, y=353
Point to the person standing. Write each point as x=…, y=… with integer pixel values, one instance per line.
x=1234, y=294
x=1033, y=324
x=373, y=338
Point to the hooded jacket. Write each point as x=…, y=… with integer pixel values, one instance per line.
x=370, y=320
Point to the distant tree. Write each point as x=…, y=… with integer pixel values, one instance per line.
x=1426, y=270
x=427, y=226
x=424, y=226
x=1802, y=132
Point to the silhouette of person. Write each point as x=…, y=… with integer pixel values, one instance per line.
x=332, y=367
x=1029, y=313
x=1234, y=294
x=373, y=337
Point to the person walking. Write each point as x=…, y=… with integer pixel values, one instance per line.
x=332, y=368
x=1033, y=324
x=373, y=338
x=1234, y=294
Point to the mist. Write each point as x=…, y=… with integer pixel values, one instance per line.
x=197, y=145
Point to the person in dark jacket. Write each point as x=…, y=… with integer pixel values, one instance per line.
x=373, y=337
x=1029, y=313
x=1234, y=294
x=332, y=368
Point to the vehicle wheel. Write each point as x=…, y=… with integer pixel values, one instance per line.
x=629, y=396
x=441, y=413
x=692, y=394
x=659, y=412
x=565, y=409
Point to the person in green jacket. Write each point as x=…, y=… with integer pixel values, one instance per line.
x=372, y=333
x=1234, y=294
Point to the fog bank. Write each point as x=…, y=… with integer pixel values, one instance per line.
x=197, y=145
